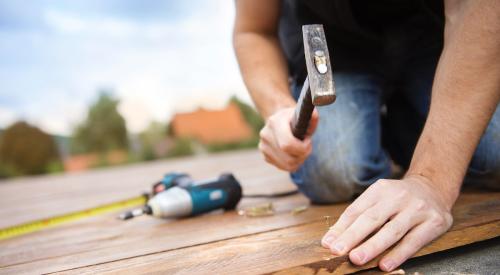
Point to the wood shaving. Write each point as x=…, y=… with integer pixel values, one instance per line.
x=300, y=209
x=265, y=209
x=327, y=221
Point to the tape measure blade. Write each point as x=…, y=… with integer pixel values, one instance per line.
x=37, y=225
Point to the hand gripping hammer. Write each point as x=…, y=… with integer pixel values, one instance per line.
x=318, y=88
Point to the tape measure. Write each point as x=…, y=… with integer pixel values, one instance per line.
x=25, y=228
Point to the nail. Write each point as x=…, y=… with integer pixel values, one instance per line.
x=338, y=247
x=389, y=265
x=329, y=240
x=360, y=256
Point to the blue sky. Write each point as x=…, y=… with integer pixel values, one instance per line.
x=159, y=57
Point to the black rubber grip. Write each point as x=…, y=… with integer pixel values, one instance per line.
x=303, y=112
x=226, y=182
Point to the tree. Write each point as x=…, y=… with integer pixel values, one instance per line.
x=151, y=137
x=26, y=150
x=103, y=130
x=249, y=114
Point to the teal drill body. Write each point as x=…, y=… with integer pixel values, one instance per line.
x=191, y=198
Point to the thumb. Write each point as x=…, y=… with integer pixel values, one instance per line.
x=313, y=123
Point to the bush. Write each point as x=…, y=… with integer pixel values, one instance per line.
x=219, y=147
x=182, y=147
x=103, y=130
x=26, y=150
x=249, y=114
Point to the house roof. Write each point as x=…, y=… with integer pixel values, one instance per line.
x=212, y=126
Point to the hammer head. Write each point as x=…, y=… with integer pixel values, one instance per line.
x=319, y=68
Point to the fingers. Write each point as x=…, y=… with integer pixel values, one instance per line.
x=366, y=223
x=350, y=214
x=282, y=161
x=388, y=235
x=278, y=144
x=410, y=208
x=313, y=124
x=287, y=143
x=411, y=243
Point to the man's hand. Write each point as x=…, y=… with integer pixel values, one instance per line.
x=279, y=146
x=409, y=209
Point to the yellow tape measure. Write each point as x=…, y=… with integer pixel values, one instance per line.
x=25, y=228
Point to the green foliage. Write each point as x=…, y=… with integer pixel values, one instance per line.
x=26, y=150
x=182, y=147
x=154, y=134
x=102, y=161
x=103, y=130
x=219, y=147
x=55, y=167
x=249, y=114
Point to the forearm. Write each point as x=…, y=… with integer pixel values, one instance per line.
x=264, y=71
x=261, y=59
x=465, y=94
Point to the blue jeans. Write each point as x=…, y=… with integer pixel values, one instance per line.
x=372, y=122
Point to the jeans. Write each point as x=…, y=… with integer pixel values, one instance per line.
x=372, y=122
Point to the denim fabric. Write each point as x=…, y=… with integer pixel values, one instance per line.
x=348, y=152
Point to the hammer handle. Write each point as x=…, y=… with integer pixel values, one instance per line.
x=303, y=112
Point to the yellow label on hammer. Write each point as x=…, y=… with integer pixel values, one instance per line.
x=25, y=228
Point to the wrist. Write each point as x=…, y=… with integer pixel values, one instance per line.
x=448, y=193
x=278, y=105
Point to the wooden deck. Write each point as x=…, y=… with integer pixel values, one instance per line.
x=217, y=243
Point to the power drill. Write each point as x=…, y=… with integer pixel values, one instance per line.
x=183, y=197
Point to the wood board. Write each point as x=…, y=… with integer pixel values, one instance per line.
x=222, y=243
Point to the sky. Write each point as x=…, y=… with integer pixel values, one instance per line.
x=158, y=58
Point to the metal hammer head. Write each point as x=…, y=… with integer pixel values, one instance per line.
x=319, y=69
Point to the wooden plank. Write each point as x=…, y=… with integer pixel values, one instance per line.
x=279, y=250
x=108, y=234
x=452, y=239
x=278, y=246
x=31, y=198
x=106, y=239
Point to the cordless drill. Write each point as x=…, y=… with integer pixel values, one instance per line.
x=178, y=196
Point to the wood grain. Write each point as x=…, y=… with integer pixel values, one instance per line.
x=297, y=247
x=31, y=198
x=218, y=242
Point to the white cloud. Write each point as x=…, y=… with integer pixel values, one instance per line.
x=156, y=67
x=7, y=117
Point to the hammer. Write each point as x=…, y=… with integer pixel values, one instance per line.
x=318, y=88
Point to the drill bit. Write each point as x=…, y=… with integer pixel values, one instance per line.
x=135, y=212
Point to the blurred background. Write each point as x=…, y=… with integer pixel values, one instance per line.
x=92, y=83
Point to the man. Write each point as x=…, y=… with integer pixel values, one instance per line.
x=387, y=56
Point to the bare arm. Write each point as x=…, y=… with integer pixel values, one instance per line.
x=466, y=92
x=259, y=54
x=265, y=73
x=417, y=209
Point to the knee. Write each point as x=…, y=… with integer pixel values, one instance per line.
x=484, y=173
x=322, y=187
x=484, y=168
x=332, y=177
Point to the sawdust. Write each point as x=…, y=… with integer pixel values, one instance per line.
x=327, y=221
x=298, y=210
x=261, y=210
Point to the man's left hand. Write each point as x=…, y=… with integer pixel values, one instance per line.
x=409, y=209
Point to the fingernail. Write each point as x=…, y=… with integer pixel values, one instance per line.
x=338, y=247
x=389, y=265
x=329, y=240
x=360, y=256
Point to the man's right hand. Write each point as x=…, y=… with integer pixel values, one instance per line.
x=279, y=146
